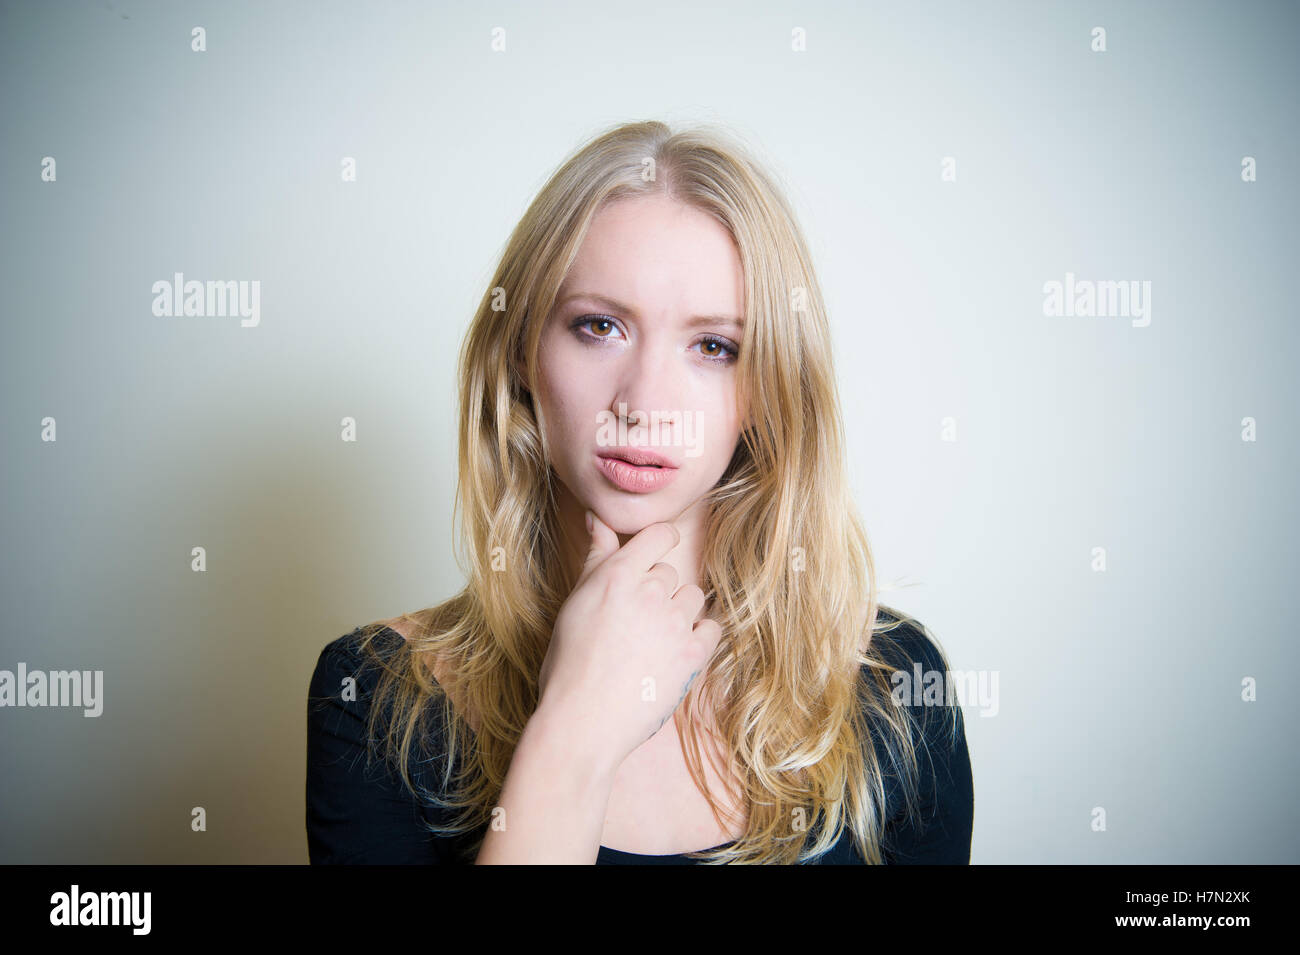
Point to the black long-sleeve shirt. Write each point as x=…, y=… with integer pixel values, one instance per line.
x=364, y=814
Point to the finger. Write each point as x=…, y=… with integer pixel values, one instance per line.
x=690, y=599
x=665, y=573
x=650, y=544
x=708, y=632
x=603, y=543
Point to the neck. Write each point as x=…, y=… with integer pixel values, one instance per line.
x=686, y=558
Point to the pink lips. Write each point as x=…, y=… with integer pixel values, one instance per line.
x=640, y=478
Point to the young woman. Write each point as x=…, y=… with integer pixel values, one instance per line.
x=669, y=648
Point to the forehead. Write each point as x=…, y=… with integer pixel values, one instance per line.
x=658, y=254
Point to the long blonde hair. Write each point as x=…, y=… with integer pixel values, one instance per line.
x=800, y=675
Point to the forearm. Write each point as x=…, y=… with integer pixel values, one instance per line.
x=555, y=796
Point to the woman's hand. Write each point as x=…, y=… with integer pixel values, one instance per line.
x=626, y=646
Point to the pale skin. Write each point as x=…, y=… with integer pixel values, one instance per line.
x=598, y=765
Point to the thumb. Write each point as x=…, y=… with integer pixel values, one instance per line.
x=603, y=543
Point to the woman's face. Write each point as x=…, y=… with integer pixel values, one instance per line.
x=639, y=354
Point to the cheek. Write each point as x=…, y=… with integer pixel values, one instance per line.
x=562, y=399
x=719, y=429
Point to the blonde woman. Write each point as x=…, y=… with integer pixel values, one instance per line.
x=669, y=648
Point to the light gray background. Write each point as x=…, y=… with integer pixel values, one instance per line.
x=1118, y=690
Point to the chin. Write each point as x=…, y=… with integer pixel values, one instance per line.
x=632, y=517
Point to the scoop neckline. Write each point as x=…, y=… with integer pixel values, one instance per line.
x=665, y=855
x=622, y=852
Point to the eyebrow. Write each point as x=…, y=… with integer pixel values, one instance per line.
x=616, y=305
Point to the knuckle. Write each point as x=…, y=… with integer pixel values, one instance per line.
x=607, y=586
x=667, y=531
x=709, y=629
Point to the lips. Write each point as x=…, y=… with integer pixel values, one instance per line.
x=638, y=457
x=653, y=472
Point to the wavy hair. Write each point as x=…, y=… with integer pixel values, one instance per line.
x=801, y=672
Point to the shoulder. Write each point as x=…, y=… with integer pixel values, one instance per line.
x=357, y=655
x=411, y=627
x=360, y=809
x=352, y=648
x=917, y=681
x=393, y=644
x=902, y=642
x=352, y=694
x=939, y=831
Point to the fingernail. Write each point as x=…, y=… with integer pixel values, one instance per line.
x=591, y=527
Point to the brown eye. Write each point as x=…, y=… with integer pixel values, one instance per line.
x=724, y=353
x=585, y=327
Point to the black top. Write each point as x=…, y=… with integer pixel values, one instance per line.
x=359, y=814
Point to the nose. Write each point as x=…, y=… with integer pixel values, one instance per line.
x=648, y=392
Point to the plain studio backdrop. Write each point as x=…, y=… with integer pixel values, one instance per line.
x=1099, y=510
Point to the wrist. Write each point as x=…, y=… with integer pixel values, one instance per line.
x=552, y=738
